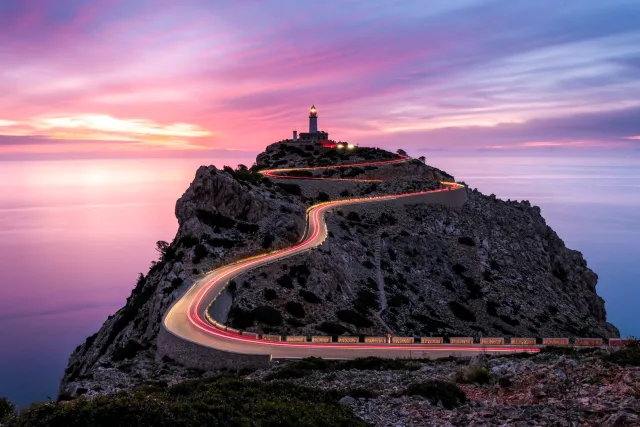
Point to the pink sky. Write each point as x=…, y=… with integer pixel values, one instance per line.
x=130, y=78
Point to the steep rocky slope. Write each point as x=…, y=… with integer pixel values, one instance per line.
x=490, y=268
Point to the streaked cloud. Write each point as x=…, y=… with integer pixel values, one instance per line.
x=110, y=124
x=200, y=74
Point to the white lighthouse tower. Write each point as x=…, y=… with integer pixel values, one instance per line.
x=313, y=120
x=314, y=134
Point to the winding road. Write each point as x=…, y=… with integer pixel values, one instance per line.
x=187, y=318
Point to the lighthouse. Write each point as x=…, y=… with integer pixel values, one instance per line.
x=313, y=120
x=314, y=134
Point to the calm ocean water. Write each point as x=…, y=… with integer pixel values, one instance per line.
x=74, y=235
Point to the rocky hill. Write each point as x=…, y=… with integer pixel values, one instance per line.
x=490, y=268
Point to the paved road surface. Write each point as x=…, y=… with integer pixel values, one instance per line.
x=187, y=318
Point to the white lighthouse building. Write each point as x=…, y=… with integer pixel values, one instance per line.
x=314, y=134
x=313, y=120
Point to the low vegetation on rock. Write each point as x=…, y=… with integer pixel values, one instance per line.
x=304, y=367
x=220, y=402
x=449, y=395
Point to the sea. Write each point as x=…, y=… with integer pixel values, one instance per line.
x=74, y=234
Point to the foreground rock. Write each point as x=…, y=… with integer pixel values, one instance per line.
x=559, y=387
x=543, y=390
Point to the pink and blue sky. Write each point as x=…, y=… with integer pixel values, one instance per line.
x=107, y=78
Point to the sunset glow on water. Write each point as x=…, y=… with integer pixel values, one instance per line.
x=76, y=233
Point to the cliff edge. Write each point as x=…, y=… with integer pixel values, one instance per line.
x=491, y=268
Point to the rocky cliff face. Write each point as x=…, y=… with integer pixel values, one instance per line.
x=223, y=216
x=490, y=268
x=493, y=268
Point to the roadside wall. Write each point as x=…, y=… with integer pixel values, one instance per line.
x=194, y=355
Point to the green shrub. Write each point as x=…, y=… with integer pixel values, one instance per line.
x=466, y=240
x=188, y=241
x=628, y=356
x=295, y=309
x=472, y=375
x=475, y=290
x=267, y=315
x=285, y=281
x=204, y=403
x=354, y=318
x=508, y=320
x=323, y=197
x=387, y=219
x=290, y=188
x=300, y=270
x=458, y=268
x=199, y=252
x=175, y=284
x=244, y=227
x=310, y=297
x=6, y=408
x=218, y=242
x=268, y=240
x=366, y=300
x=214, y=219
x=449, y=394
x=461, y=312
x=301, y=368
x=295, y=322
x=398, y=300
x=241, y=319
x=492, y=308
x=128, y=351
x=353, y=216
x=270, y=294
x=449, y=285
